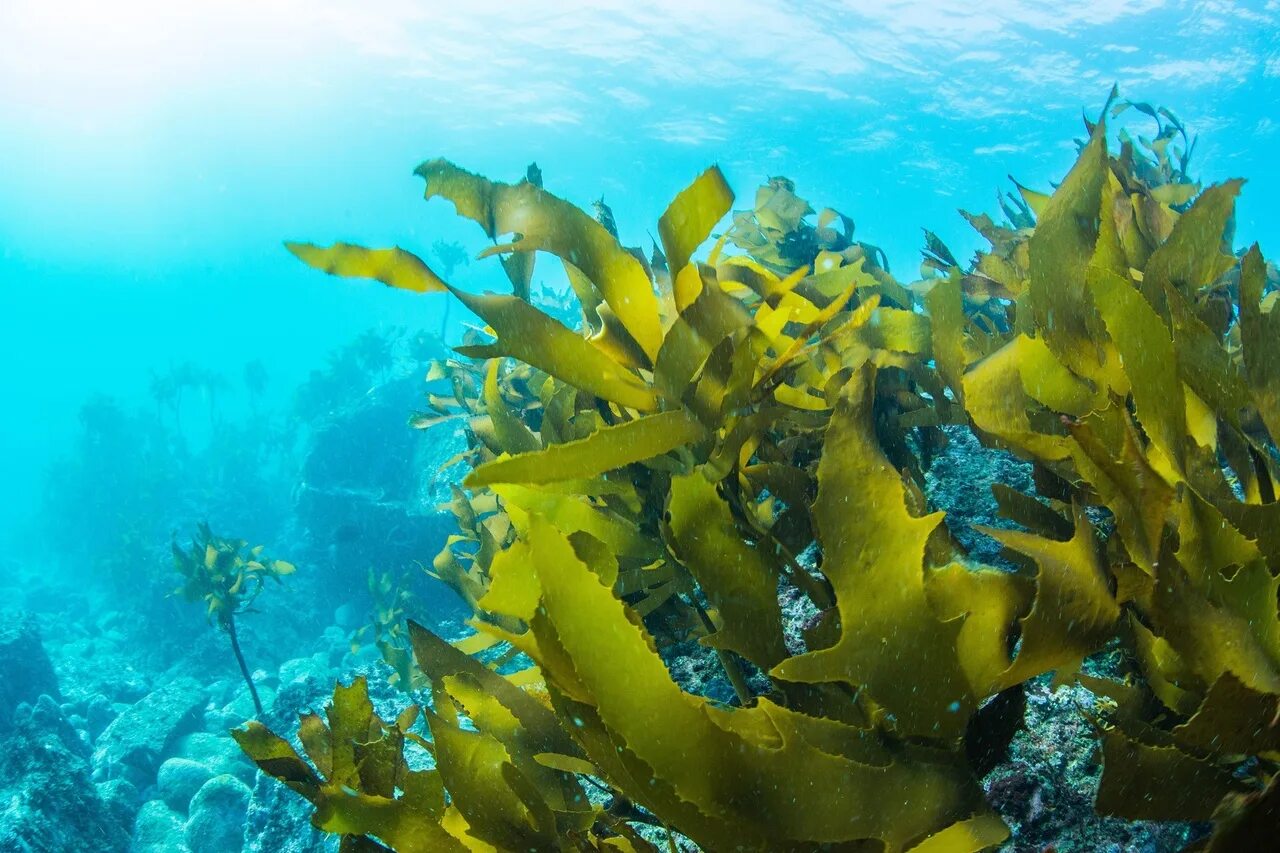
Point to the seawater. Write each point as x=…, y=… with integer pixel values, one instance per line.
x=167, y=363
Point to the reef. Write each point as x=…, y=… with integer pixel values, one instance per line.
x=715, y=432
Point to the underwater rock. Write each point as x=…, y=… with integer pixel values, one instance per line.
x=240, y=709
x=158, y=829
x=98, y=714
x=1046, y=790
x=217, y=752
x=379, y=508
x=302, y=669
x=50, y=802
x=88, y=667
x=46, y=716
x=217, y=822
x=348, y=617
x=139, y=736
x=959, y=481
x=179, y=779
x=120, y=799
x=25, y=671
x=279, y=821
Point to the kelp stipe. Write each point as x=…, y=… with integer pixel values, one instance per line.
x=655, y=473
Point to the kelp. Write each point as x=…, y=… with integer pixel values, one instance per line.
x=653, y=472
x=227, y=576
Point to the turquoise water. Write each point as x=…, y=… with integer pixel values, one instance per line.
x=155, y=156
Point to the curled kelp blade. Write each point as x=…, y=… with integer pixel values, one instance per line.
x=394, y=267
x=523, y=331
x=544, y=222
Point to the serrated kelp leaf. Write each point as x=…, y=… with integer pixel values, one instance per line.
x=1107, y=452
x=1210, y=547
x=440, y=660
x=1147, y=352
x=566, y=763
x=1074, y=610
x=740, y=580
x=572, y=514
x=743, y=778
x=859, y=320
x=380, y=758
x=1115, y=229
x=702, y=325
x=539, y=786
x=874, y=551
x=519, y=269
x=475, y=643
x=276, y=757
x=405, y=829
x=1208, y=369
x=511, y=432
x=1260, y=339
x=317, y=741
x=692, y=214
x=410, y=823
x=1167, y=674
x=1233, y=719
x=606, y=449
x=997, y=398
x=989, y=602
x=1193, y=255
x=951, y=349
x=1060, y=251
x=394, y=267
x=350, y=718
x=547, y=223
x=1214, y=639
x=1141, y=781
x=512, y=592
x=535, y=338
x=1035, y=201
x=1030, y=513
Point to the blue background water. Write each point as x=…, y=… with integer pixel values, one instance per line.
x=153, y=155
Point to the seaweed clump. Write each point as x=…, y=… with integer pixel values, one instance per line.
x=656, y=472
x=228, y=576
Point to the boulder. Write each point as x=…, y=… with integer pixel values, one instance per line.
x=218, y=752
x=25, y=671
x=139, y=737
x=50, y=802
x=217, y=816
x=158, y=829
x=120, y=799
x=179, y=779
x=279, y=821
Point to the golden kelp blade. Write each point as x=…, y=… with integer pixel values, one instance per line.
x=1060, y=252
x=604, y=450
x=394, y=267
x=544, y=222
x=539, y=340
x=874, y=551
x=511, y=432
x=729, y=779
x=689, y=219
x=739, y=580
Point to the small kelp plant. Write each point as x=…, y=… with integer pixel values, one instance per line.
x=227, y=575
x=718, y=431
